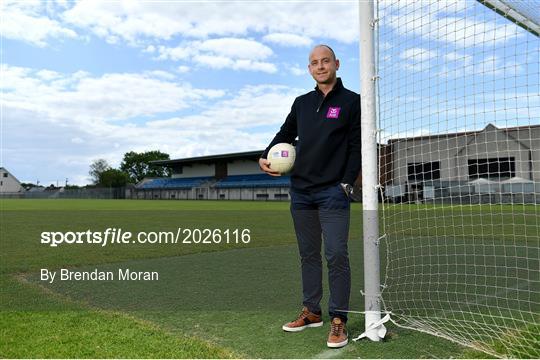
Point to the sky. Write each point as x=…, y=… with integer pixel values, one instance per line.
x=85, y=80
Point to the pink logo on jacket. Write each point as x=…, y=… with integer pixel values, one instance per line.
x=333, y=112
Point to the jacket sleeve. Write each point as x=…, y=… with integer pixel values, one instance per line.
x=287, y=133
x=354, y=154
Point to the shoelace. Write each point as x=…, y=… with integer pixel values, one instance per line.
x=303, y=314
x=336, y=329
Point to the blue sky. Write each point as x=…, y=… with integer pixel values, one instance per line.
x=90, y=79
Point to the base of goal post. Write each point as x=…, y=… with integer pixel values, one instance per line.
x=375, y=329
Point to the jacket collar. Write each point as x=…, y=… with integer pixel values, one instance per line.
x=338, y=85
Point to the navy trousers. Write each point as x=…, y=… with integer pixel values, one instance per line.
x=324, y=215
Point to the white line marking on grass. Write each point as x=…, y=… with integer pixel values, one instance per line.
x=330, y=353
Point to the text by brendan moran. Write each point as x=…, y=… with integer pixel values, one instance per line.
x=97, y=275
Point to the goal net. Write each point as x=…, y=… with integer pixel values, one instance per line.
x=458, y=96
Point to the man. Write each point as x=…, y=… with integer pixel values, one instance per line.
x=327, y=124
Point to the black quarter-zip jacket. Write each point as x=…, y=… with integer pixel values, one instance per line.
x=328, y=130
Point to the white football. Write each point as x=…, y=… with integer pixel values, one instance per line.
x=281, y=157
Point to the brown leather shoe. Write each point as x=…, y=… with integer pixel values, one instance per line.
x=304, y=320
x=338, y=334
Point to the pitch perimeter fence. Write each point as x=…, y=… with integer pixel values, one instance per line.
x=85, y=193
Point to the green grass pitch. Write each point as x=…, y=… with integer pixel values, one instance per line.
x=212, y=300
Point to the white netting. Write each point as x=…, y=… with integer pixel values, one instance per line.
x=459, y=114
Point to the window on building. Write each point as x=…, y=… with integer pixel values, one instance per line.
x=424, y=171
x=5, y=174
x=492, y=168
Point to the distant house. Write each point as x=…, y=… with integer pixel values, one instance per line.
x=8, y=182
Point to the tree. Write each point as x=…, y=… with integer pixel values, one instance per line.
x=137, y=165
x=72, y=187
x=113, y=178
x=96, y=168
x=28, y=186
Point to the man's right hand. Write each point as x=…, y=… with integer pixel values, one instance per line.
x=264, y=165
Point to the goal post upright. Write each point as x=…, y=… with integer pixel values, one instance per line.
x=370, y=181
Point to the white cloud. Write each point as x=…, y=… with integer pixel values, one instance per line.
x=76, y=122
x=160, y=74
x=127, y=20
x=418, y=54
x=455, y=56
x=253, y=106
x=495, y=66
x=48, y=74
x=62, y=3
x=448, y=23
x=289, y=24
x=490, y=65
x=22, y=20
x=114, y=96
x=136, y=22
x=180, y=52
x=456, y=65
x=236, y=48
x=222, y=62
x=297, y=70
x=182, y=69
x=148, y=24
x=416, y=59
x=288, y=40
x=223, y=53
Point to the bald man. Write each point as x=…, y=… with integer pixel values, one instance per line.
x=328, y=159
